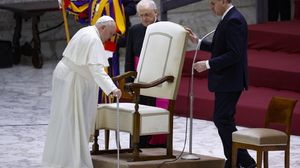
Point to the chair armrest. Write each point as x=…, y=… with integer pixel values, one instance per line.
x=136, y=87
x=124, y=75
x=133, y=86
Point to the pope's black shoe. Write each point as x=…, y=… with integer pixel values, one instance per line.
x=250, y=164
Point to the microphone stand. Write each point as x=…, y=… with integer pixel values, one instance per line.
x=190, y=156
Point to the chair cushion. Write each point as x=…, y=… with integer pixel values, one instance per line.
x=260, y=136
x=153, y=120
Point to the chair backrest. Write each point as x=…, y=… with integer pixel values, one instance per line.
x=280, y=111
x=162, y=54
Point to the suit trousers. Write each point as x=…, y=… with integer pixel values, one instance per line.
x=279, y=10
x=224, y=111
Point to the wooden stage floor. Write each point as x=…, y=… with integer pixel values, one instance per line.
x=110, y=161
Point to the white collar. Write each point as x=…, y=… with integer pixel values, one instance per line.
x=96, y=30
x=226, y=12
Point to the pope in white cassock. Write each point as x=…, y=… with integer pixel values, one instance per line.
x=75, y=85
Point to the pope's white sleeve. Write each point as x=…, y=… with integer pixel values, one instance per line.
x=102, y=78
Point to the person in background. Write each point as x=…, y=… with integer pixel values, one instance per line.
x=75, y=84
x=114, y=62
x=130, y=10
x=228, y=73
x=147, y=12
x=278, y=8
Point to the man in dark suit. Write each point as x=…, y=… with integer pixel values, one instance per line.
x=228, y=73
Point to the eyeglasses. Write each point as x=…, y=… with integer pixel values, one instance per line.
x=146, y=15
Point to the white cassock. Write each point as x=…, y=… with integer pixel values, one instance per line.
x=75, y=85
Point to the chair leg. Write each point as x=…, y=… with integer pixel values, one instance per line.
x=258, y=158
x=95, y=147
x=233, y=156
x=266, y=159
x=106, y=139
x=135, y=146
x=287, y=158
x=169, y=145
x=136, y=137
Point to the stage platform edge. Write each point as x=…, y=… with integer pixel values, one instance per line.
x=110, y=160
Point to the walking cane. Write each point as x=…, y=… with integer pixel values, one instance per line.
x=118, y=133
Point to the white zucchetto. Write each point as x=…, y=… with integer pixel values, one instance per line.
x=104, y=19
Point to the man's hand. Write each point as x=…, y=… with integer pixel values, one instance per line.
x=194, y=39
x=200, y=66
x=117, y=93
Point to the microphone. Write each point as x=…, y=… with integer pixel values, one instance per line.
x=200, y=40
x=198, y=46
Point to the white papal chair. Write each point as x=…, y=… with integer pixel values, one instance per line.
x=158, y=75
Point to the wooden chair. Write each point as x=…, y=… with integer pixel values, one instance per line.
x=280, y=111
x=158, y=75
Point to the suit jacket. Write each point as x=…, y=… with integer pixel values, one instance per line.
x=228, y=64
